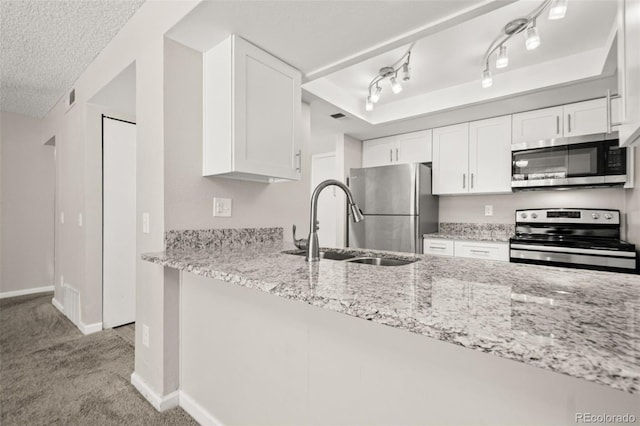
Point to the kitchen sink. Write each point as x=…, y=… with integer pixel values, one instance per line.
x=356, y=258
x=331, y=255
x=381, y=261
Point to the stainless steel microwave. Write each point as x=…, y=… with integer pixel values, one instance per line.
x=590, y=161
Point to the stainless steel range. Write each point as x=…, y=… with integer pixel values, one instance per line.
x=576, y=238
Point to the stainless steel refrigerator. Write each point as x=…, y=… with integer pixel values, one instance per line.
x=398, y=207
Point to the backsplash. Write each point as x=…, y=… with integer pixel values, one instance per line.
x=217, y=238
x=480, y=231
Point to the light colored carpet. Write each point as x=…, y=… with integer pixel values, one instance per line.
x=52, y=374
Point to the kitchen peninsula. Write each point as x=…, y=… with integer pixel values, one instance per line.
x=462, y=340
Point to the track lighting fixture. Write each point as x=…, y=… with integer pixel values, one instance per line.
x=390, y=72
x=527, y=24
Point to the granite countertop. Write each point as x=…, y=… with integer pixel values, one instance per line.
x=497, y=238
x=496, y=232
x=581, y=323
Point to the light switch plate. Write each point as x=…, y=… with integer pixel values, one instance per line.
x=145, y=223
x=221, y=207
x=488, y=210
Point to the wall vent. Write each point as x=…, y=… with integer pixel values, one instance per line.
x=338, y=115
x=72, y=304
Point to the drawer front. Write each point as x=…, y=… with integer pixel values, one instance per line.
x=438, y=247
x=482, y=250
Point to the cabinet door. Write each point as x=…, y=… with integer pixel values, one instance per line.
x=539, y=124
x=267, y=113
x=629, y=71
x=585, y=118
x=438, y=247
x=482, y=250
x=378, y=152
x=414, y=147
x=451, y=159
x=490, y=155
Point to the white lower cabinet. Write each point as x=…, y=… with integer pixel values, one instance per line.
x=467, y=248
x=482, y=250
x=438, y=246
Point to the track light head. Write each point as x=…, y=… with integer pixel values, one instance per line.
x=375, y=96
x=558, y=9
x=503, y=57
x=368, y=106
x=396, y=87
x=406, y=75
x=533, y=38
x=487, y=80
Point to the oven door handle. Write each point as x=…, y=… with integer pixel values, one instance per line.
x=557, y=249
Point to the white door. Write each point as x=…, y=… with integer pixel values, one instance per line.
x=414, y=147
x=451, y=159
x=539, y=124
x=323, y=167
x=378, y=152
x=585, y=118
x=119, y=222
x=490, y=155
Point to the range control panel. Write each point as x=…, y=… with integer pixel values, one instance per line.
x=594, y=216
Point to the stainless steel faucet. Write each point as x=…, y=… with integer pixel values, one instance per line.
x=313, y=248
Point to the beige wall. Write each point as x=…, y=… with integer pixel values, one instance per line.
x=189, y=195
x=28, y=172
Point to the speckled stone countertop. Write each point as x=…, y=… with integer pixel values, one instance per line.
x=496, y=232
x=582, y=323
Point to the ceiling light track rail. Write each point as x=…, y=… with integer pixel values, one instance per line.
x=557, y=10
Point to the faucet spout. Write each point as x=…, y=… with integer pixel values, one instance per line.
x=313, y=247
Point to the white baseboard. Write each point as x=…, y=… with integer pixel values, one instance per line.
x=89, y=328
x=160, y=403
x=57, y=304
x=196, y=411
x=24, y=292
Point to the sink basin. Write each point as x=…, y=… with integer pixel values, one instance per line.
x=331, y=255
x=381, y=261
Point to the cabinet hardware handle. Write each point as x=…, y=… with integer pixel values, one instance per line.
x=471, y=180
x=396, y=154
x=299, y=156
x=391, y=155
x=610, y=124
x=569, y=121
x=479, y=251
x=464, y=180
x=557, y=124
x=436, y=247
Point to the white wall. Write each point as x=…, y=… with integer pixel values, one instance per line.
x=189, y=195
x=28, y=174
x=140, y=41
x=470, y=208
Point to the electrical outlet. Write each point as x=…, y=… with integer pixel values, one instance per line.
x=145, y=335
x=62, y=218
x=221, y=207
x=145, y=223
x=62, y=281
x=488, y=210
x=80, y=220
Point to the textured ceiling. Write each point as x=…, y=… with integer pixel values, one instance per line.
x=46, y=45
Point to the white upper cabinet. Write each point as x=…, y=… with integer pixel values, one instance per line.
x=629, y=71
x=251, y=114
x=585, y=118
x=539, y=124
x=473, y=157
x=490, y=155
x=412, y=147
x=451, y=159
x=378, y=152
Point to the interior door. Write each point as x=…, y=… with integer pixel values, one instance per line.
x=119, y=222
x=323, y=167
